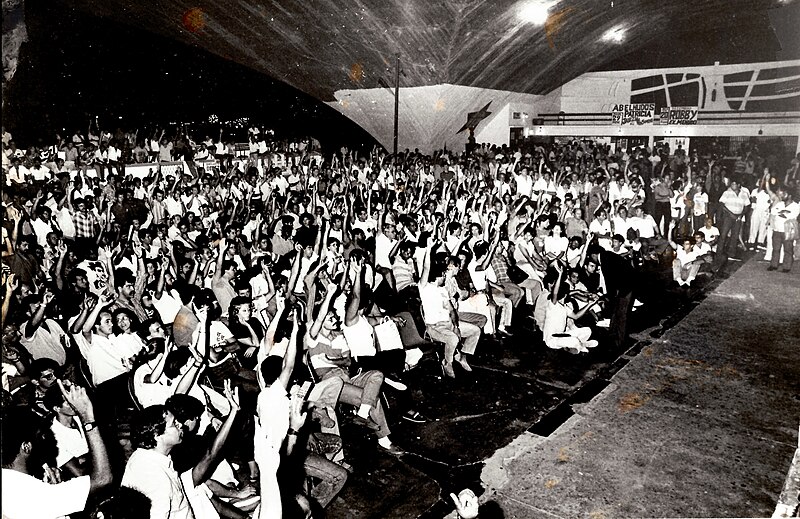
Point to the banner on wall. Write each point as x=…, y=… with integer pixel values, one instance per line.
x=679, y=115
x=633, y=114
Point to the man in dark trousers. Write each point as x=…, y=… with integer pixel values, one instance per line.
x=618, y=275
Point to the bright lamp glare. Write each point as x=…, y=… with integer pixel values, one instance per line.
x=536, y=11
x=615, y=35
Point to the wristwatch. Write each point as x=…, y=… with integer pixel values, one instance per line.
x=89, y=426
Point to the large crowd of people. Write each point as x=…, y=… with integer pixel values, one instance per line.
x=247, y=299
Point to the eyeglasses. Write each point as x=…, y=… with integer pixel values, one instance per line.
x=48, y=376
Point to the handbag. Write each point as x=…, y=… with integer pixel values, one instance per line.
x=388, y=336
x=516, y=274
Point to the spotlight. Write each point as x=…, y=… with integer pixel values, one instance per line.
x=615, y=35
x=536, y=11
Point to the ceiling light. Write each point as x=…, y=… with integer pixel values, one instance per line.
x=615, y=35
x=536, y=11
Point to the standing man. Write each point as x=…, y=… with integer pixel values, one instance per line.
x=618, y=275
x=732, y=205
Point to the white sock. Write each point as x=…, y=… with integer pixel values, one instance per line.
x=363, y=410
x=385, y=442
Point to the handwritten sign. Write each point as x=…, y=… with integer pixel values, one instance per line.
x=633, y=114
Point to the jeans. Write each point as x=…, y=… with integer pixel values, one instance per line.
x=729, y=232
x=332, y=478
x=363, y=389
x=685, y=273
x=445, y=332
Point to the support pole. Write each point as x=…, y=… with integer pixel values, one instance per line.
x=396, y=97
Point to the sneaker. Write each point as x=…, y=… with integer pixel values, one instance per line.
x=414, y=416
x=590, y=343
x=392, y=449
x=462, y=360
x=637, y=303
x=605, y=323
x=394, y=383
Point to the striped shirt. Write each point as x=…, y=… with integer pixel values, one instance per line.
x=734, y=202
x=404, y=273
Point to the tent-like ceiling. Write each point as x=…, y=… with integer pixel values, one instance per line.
x=523, y=46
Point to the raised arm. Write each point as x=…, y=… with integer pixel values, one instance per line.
x=38, y=316
x=207, y=464
x=78, y=399
x=354, y=300
x=290, y=356
x=316, y=326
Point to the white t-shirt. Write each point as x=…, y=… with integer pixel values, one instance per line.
x=383, y=246
x=71, y=442
x=433, y=298
x=25, y=497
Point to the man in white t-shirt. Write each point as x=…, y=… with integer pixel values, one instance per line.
x=27, y=497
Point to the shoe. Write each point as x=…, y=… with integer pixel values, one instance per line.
x=785, y=271
x=461, y=359
x=392, y=449
x=414, y=416
x=394, y=383
x=447, y=370
x=590, y=343
x=772, y=269
x=503, y=332
x=366, y=422
x=605, y=323
x=637, y=303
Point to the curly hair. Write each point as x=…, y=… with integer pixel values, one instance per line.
x=147, y=426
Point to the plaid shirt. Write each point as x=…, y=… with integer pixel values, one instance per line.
x=85, y=224
x=500, y=266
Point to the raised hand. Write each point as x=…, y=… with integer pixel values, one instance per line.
x=297, y=417
x=78, y=399
x=12, y=283
x=466, y=504
x=232, y=395
x=104, y=299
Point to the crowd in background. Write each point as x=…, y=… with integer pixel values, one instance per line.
x=246, y=299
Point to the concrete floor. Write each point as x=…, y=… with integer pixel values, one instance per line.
x=699, y=420
x=703, y=423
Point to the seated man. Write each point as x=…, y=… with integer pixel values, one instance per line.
x=442, y=320
x=73, y=449
x=155, y=432
x=41, y=336
x=330, y=359
x=106, y=356
x=685, y=265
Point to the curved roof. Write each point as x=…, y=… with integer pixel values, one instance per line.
x=525, y=46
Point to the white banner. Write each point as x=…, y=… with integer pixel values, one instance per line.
x=679, y=115
x=633, y=114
